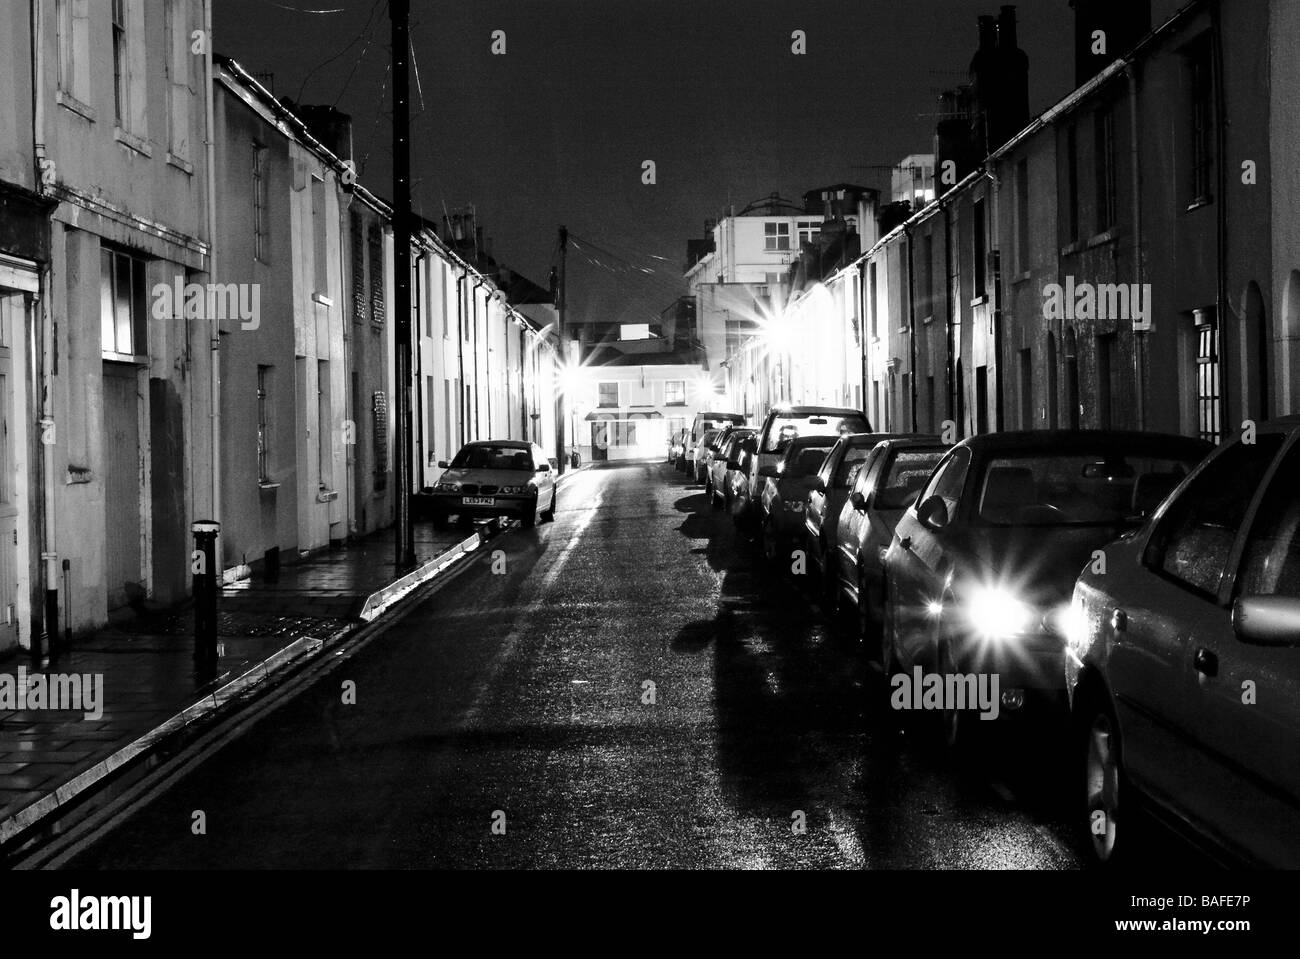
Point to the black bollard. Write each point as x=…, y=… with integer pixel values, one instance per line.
x=206, y=570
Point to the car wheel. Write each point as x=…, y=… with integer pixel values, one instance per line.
x=529, y=519
x=708, y=488
x=869, y=633
x=1103, y=781
x=889, y=663
x=549, y=515
x=954, y=726
x=830, y=583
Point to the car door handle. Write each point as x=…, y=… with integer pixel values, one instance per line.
x=1119, y=621
x=1206, y=662
x=905, y=542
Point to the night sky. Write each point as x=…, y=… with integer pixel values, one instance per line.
x=555, y=131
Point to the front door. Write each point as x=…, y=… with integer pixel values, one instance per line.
x=122, y=483
x=599, y=440
x=11, y=310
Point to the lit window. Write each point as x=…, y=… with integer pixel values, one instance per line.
x=608, y=394
x=675, y=393
x=123, y=309
x=776, y=236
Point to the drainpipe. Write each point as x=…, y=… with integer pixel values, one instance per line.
x=473, y=295
x=1221, y=209
x=911, y=323
x=210, y=149
x=949, y=307
x=418, y=349
x=1139, y=336
x=460, y=352
x=43, y=644
x=991, y=230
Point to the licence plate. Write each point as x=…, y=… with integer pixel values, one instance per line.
x=478, y=501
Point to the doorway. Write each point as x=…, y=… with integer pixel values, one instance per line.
x=122, y=483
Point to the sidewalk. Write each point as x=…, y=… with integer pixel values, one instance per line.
x=148, y=669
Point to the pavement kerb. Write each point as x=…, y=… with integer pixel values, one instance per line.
x=259, y=673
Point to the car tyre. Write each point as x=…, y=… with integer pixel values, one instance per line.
x=529, y=519
x=549, y=515
x=1104, y=785
x=830, y=584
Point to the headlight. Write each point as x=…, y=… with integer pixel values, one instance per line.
x=448, y=485
x=514, y=489
x=995, y=613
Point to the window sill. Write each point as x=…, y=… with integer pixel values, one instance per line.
x=327, y=496
x=185, y=166
x=322, y=299
x=1199, y=202
x=265, y=486
x=1021, y=277
x=979, y=300
x=928, y=320
x=1101, y=239
x=67, y=100
x=132, y=142
x=136, y=358
x=1072, y=248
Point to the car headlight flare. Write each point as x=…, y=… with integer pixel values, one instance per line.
x=997, y=613
x=514, y=489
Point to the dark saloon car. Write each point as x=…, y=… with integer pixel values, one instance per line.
x=826, y=501
x=786, y=493
x=1184, y=663
x=729, y=449
x=507, y=478
x=981, y=568
x=888, y=482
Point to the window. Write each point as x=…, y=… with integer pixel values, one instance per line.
x=320, y=244
x=121, y=68
x=376, y=244
x=1201, y=82
x=379, y=414
x=948, y=480
x=260, y=248
x=1072, y=182
x=846, y=471
x=978, y=250
x=908, y=471
x=776, y=236
x=1209, y=410
x=873, y=292
x=927, y=266
x=607, y=394
x=73, y=20
x=929, y=402
x=808, y=231
x=324, y=439
x=123, y=309
x=179, y=95
x=263, y=423
x=1106, y=346
x=1022, y=216
x=1105, y=160
x=1270, y=562
x=1192, y=542
x=1026, y=390
x=675, y=393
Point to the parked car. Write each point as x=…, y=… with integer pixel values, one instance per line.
x=888, y=482
x=786, y=493
x=676, y=445
x=703, y=423
x=786, y=423
x=1184, y=662
x=507, y=478
x=704, y=453
x=737, y=493
x=827, y=499
x=715, y=484
x=982, y=566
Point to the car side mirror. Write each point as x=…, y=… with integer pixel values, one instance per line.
x=442, y=464
x=544, y=468
x=1267, y=620
x=770, y=471
x=933, y=513
x=858, y=501
x=818, y=484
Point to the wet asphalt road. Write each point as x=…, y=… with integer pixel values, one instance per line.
x=521, y=692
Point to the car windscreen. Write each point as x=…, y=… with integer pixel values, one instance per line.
x=804, y=461
x=908, y=472
x=786, y=428
x=1106, y=488
x=493, y=458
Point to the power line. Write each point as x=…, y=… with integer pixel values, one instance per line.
x=350, y=44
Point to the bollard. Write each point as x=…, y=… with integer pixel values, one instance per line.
x=204, y=566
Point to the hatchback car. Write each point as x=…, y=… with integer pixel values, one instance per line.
x=826, y=500
x=981, y=567
x=699, y=466
x=715, y=484
x=506, y=478
x=1184, y=662
x=887, y=483
x=786, y=423
x=786, y=493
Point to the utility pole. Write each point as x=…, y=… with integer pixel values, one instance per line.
x=561, y=401
x=404, y=545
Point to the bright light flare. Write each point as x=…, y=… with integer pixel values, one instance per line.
x=997, y=613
